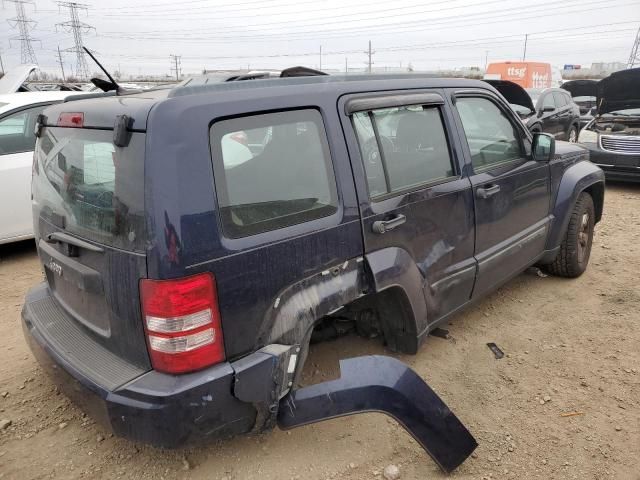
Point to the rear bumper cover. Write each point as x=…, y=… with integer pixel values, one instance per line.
x=160, y=409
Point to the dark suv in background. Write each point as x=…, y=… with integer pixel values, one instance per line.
x=193, y=238
x=550, y=110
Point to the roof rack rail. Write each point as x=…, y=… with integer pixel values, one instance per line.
x=84, y=96
x=286, y=73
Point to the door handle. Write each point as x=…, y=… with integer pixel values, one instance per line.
x=486, y=192
x=382, y=226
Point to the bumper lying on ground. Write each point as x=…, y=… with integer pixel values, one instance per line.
x=616, y=166
x=234, y=398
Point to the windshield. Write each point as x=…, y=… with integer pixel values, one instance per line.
x=86, y=185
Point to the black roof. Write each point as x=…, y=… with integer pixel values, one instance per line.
x=101, y=110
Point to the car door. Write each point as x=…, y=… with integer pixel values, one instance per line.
x=416, y=206
x=17, y=141
x=511, y=190
x=563, y=114
x=549, y=114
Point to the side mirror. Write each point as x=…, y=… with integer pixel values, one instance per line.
x=548, y=108
x=543, y=147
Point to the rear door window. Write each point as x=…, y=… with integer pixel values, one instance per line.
x=414, y=148
x=271, y=171
x=88, y=186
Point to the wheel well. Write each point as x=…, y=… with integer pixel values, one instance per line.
x=597, y=194
x=386, y=314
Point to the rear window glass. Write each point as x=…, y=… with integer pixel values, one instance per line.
x=88, y=186
x=272, y=171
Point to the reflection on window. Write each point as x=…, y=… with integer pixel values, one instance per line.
x=414, y=148
x=272, y=171
x=17, y=131
x=492, y=138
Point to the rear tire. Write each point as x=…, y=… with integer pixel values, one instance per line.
x=575, y=249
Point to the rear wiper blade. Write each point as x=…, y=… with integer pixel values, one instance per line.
x=59, y=237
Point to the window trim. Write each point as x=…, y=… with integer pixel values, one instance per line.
x=419, y=186
x=508, y=112
x=285, y=231
x=21, y=109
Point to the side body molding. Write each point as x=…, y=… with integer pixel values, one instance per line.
x=386, y=385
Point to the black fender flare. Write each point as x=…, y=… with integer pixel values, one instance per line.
x=575, y=179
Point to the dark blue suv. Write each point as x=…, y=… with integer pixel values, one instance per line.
x=192, y=239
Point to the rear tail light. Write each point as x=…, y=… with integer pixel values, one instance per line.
x=71, y=119
x=182, y=323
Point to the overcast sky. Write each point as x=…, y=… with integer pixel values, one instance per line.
x=139, y=36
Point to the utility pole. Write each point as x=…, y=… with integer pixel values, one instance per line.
x=61, y=64
x=524, y=54
x=1, y=64
x=320, y=58
x=24, y=26
x=369, y=54
x=486, y=59
x=175, y=60
x=76, y=27
x=346, y=65
x=634, y=57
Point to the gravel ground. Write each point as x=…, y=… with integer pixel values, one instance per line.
x=572, y=346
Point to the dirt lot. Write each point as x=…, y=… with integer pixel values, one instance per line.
x=575, y=343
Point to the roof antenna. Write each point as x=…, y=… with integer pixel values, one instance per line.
x=102, y=84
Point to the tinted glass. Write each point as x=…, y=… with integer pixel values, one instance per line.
x=492, y=138
x=414, y=147
x=96, y=187
x=559, y=99
x=548, y=101
x=16, y=131
x=272, y=171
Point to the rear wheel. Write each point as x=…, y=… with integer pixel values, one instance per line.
x=575, y=249
x=572, y=136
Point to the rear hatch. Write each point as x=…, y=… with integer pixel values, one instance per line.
x=88, y=207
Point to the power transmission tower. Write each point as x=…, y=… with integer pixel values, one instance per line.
x=175, y=65
x=77, y=28
x=24, y=26
x=634, y=57
x=369, y=53
x=61, y=64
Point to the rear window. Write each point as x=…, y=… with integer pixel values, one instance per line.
x=86, y=185
x=271, y=171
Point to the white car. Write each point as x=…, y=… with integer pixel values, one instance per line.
x=18, y=113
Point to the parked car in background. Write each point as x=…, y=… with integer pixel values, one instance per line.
x=584, y=94
x=549, y=110
x=184, y=280
x=18, y=113
x=613, y=135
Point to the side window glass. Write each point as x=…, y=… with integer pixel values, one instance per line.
x=547, y=101
x=16, y=131
x=272, y=171
x=493, y=140
x=413, y=143
x=559, y=99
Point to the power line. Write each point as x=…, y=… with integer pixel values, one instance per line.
x=634, y=56
x=24, y=26
x=77, y=28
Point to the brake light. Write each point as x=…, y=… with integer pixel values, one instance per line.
x=68, y=119
x=182, y=323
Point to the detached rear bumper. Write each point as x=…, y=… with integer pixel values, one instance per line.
x=156, y=408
